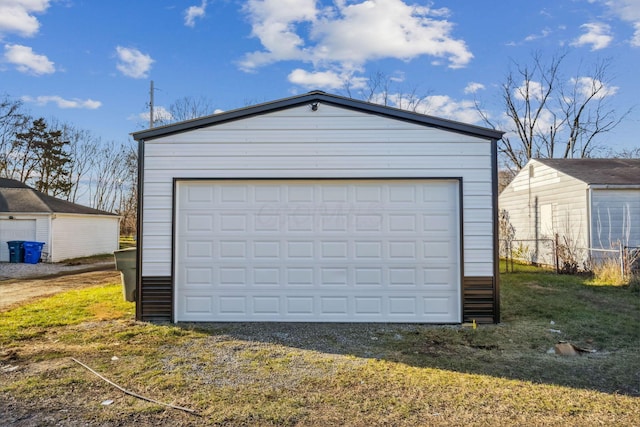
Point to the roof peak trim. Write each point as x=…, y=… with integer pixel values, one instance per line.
x=317, y=96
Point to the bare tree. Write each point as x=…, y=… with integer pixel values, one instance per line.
x=584, y=104
x=109, y=175
x=628, y=153
x=13, y=120
x=186, y=108
x=383, y=89
x=129, y=193
x=526, y=95
x=550, y=115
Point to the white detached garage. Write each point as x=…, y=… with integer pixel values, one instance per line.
x=318, y=208
x=68, y=230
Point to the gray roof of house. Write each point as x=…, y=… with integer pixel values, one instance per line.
x=17, y=197
x=599, y=171
x=318, y=97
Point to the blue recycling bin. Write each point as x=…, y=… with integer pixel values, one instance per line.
x=16, y=251
x=32, y=252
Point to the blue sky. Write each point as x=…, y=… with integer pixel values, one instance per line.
x=90, y=62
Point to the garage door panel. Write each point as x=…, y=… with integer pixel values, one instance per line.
x=198, y=195
x=344, y=307
x=198, y=277
x=266, y=276
x=199, y=249
x=322, y=251
x=439, y=250
x=199, y=223
x=300, y=276
x=389, y=277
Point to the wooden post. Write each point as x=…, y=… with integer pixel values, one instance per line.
x=555, y=254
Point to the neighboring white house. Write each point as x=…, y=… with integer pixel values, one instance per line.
x=318, y=208
x=588, y=203
x=68, y=230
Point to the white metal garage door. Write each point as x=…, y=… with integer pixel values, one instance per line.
x=321, y=250
x=15, y=229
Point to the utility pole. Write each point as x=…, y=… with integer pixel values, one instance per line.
x=151, y=105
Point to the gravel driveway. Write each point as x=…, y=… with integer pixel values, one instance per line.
x=40, y=270
x=20, y=283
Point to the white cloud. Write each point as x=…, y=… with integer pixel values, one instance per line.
x=398, y=77
x=531, y=90
x=17, y=16
x=27, y=61
x=319, y=79
x=435, y=105
x=326, y=79
x=587, y=86
x=473, y=87
x=133, y=63
x=447, y=107
x=349, y=34
x=635, y=41
x=274, y=23
x=533, y=37
x=160, y=115
x=194, y=12
x=629, y=11
x=544, y=121
x=597, y=34
x=88, y=104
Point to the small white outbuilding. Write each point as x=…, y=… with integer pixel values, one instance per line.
x=68, y=230
x=318, y=208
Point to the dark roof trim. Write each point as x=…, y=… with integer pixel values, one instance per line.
x=318, y=96
x=598, y=171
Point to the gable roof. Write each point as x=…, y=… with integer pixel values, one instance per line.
x=310, y=99
x=598, y=171
x=17, y=197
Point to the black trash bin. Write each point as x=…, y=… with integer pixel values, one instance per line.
x=16, y=251
x=126, y=263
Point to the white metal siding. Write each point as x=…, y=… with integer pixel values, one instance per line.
x=317, y=250
x=615, y=218
x=329, y=143
x=75, y=236
x=541, y=205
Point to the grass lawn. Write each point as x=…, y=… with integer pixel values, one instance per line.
x=308, y=374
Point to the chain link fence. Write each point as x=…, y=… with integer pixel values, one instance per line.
x=521, y=253
x=560, y=257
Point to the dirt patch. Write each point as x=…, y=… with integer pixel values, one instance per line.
x=537, y=287
x=19, y=291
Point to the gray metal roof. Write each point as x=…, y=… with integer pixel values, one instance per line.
x=17, y=197
x=321, y=97
x=598, y=171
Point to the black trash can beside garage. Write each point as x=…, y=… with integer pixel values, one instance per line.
x=126, y=264
x=16, y=251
